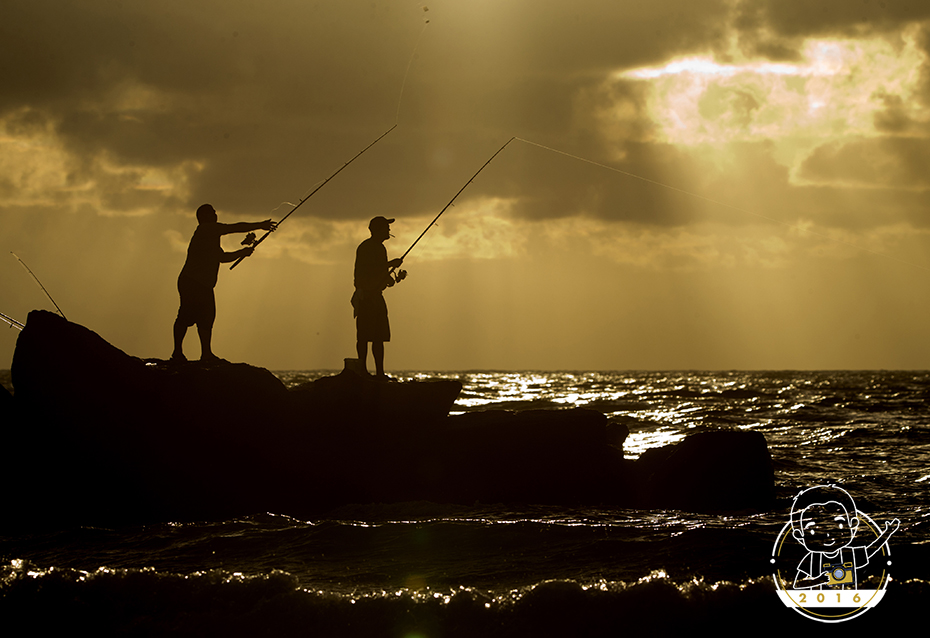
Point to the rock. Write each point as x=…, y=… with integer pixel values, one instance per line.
x=6, y=404
x=358, y=396
x=533, y=456
x=125, y=438
x=8, y=418
x=100, y=436
x=617, y=432
x=710, y=471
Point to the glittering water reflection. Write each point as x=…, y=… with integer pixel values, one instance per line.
x=800, y=413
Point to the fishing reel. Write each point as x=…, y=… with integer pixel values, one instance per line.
x=249, y=239
x=396, y=278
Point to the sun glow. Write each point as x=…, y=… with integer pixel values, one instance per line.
x=839, y=87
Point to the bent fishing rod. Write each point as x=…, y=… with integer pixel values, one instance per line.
x=450, y=202
x=250, y=239
x=29, y=270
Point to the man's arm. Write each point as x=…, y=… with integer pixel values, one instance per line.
x=392, y=265
x=226, y=257
x=245, y=227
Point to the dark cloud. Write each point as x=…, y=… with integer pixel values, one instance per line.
x=244, y=103
x=265, y=98
x=261, y=102
x=923, y=41
x=895, y=118
x=887, y=162
x=799, y=18
x=776, y=28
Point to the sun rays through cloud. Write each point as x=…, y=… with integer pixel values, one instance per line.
x=838, y=88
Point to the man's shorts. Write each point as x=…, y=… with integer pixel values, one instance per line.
x=198, y=304
x=371, y=318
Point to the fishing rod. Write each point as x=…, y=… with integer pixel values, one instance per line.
x=29, y=270
x=403, y=273
x=250, y=238
x=19, y=325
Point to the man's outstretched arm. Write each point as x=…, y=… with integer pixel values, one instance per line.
x=245, y=227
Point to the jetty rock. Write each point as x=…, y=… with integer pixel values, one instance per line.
x=710, y=471
x=95, y=435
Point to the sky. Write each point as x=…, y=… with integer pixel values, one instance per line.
x=687, y=185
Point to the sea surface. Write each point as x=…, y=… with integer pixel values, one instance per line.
x=422, y=569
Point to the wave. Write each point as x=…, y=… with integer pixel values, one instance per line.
x=217, y=602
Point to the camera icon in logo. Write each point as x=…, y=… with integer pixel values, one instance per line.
x=839, y=574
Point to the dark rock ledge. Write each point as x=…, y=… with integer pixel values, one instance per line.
x=94, y=435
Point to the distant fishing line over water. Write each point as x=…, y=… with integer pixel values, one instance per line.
x=655, y=183
x=716, y=202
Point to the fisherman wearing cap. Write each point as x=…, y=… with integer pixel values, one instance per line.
x=372, y=276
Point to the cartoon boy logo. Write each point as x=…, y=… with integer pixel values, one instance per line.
x=824, y=520
x=839, y=543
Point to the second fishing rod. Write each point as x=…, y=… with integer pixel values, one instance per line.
x=403, y=273
x=250, y=238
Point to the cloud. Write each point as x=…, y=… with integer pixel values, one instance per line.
x=695, y=144
x=157, y=107
x=887, y=162
x=796, y=18
x=250, y=105
x=200, y=90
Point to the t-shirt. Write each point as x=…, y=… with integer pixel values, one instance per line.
x=203, y=254
x=371, y=266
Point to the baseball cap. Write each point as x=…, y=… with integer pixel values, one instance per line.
x=379, y=221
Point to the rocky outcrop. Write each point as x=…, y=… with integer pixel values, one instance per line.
x=708, y=471
x=98, y=435
x=534, y=456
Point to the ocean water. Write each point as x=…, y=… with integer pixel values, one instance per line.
x=423, y=569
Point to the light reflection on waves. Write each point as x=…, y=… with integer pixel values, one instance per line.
x=795, y=410
x=875, y=421
x=504, y=597
x=110, y=584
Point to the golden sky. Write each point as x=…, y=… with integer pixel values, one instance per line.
x=702, y=185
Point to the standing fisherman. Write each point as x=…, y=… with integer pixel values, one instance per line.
x=198, y=278
x=372, y=276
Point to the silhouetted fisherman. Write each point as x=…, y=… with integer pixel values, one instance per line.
x=198, y=278
x=372, y=276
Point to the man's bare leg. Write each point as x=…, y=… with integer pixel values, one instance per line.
x=179, y=331
x=361, y=349
x=206, y=336
x=377, y=351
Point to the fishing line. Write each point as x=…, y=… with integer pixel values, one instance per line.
x=40, y=284
x=400, y=97
x=413, y=55
x=718, y=202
